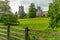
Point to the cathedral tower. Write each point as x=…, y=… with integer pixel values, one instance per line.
x=39, y=11
x=21, y=11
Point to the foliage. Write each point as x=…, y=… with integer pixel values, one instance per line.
x=4, y=6
x=32, y=11
x=22, y=15
x=16, y=15
x=6, y=16
x=9, y=19
x=54, y=12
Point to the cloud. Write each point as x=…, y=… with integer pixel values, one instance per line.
x=14, y=5
x=42, y=3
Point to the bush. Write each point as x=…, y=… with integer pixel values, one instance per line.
x=9, y=19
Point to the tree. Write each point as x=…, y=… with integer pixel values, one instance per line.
x=22, y=15
x=7, y=17
x=4, y=6
x=16, y=15
x=54, y=12
x=32, y=11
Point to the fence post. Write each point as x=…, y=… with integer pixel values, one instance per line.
x=8, y=32
x=26, y=33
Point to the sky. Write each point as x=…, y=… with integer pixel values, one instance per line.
x=16, y=3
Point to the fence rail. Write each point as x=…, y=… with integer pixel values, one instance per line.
x=25, y=33
x=45, y=32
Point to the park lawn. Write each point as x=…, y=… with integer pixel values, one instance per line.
x=35, y=23
x=31, y=23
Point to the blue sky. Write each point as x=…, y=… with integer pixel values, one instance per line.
x=42, y=3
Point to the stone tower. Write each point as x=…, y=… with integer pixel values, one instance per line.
x=39, y=12
x=21, y=11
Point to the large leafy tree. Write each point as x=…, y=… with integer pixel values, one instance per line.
x=54, y=12
x=32, y=11
x=6, y=16
x=4, y=6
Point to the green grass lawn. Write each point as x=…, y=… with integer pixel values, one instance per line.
x=35, y=23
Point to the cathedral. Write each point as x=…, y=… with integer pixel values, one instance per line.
x=39, y=12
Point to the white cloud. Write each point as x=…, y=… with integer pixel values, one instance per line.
x=43, y=3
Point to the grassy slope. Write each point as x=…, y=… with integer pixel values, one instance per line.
x=35, y=23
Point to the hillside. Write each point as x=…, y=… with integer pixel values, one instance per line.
x=35, y=23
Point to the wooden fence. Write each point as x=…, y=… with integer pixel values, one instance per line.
x=26, y=33
x=40, y=31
